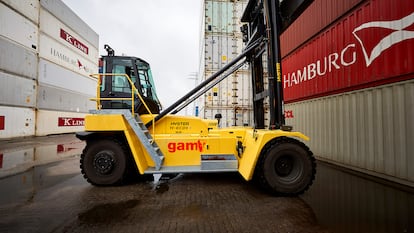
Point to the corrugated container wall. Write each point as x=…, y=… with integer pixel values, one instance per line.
x=47, y=53
x=350, y=86
x=221, y=42
x=319, y=15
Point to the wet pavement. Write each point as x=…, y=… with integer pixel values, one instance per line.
x=54, y=197
x=18, y=155
x=345, y=201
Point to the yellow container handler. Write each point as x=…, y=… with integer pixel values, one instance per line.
x=128, y=133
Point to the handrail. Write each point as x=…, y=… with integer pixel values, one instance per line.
x=134, y=90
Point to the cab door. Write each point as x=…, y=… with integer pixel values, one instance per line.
x=117, y=85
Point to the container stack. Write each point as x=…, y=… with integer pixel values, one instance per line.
x=348, y=78
x=221, y=41
x=47, y=54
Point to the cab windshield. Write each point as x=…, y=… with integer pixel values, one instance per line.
x=146, y=80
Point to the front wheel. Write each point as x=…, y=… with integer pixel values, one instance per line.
x=286, y=167
x=104, y=162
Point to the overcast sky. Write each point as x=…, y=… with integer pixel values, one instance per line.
x=164, y=33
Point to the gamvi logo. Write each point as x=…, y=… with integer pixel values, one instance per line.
x=186, y=146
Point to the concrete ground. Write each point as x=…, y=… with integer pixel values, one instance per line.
x=42, y=190
x=54, y=197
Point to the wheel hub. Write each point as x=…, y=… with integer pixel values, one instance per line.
x=104, y=162
x=284, y=166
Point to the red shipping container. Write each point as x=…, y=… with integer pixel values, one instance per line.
x=319, y=15
x=370, y=46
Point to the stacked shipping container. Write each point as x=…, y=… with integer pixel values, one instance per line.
x=18, y=67
x=348, y=70
x=221, y=42
x=47, y=53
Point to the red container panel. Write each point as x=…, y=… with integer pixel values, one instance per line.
x=370, y=46
x=1, y=122
x=316, y=17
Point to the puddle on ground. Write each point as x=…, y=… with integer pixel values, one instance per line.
x=20, y=189
x=107, y=213
x=344, y=202
x=21, y=158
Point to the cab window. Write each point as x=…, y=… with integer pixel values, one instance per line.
x=120, y=83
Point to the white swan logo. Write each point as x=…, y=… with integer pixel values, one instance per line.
x=397, y=36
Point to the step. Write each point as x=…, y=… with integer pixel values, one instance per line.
x=218, y=162
x=209, y=163
x=185, y=169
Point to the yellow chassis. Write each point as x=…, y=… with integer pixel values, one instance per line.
x=185, y=140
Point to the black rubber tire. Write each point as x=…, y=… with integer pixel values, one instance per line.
x=104, y=162
x=286, y=167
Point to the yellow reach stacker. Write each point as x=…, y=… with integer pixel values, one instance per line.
x=130, y=133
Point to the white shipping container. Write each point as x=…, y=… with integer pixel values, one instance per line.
x=222, y=42
x=234, y=90
x=242, y=116
x=17, y=28
x=219, y=51
x=17, y=60
x=223, y=17
x=56, y=122
x=244, y=88
x=28, y=8
x=17, y=91
x=55, y=98
x=68, y=17
x=58, y=82
x=219, y=16
x=54, y=51
x=16, y=122
x=57, y=30
x=370, y=130
x=54, y=75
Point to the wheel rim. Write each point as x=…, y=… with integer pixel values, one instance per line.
x=287, y=168
x=104, y=162
x=284, y=166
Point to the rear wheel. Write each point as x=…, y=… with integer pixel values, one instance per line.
x=286, y=167
x=104, y=162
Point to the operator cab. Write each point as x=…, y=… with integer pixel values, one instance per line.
x=117, y=86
